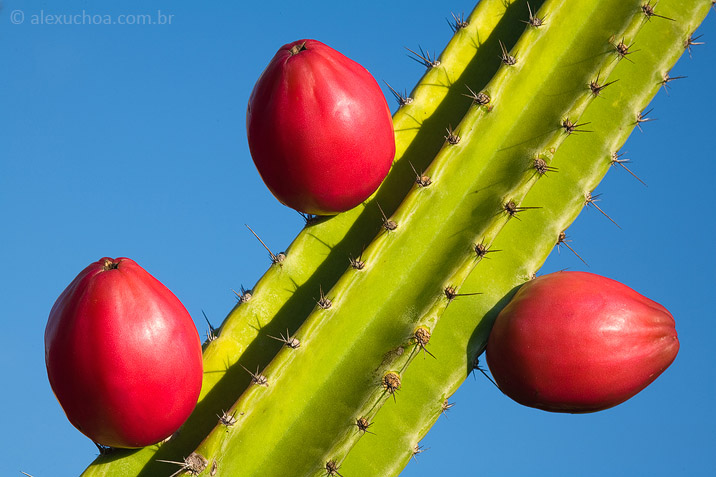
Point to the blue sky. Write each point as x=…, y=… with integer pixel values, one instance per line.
x=129, y=140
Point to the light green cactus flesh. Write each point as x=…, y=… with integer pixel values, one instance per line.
x=300, y=414
x=524, y=245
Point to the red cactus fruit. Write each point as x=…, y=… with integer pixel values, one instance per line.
x=579, y=342
x=123, y=355
x=319, y=129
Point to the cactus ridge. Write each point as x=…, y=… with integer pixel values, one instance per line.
x=310, y=393
x=582, y=163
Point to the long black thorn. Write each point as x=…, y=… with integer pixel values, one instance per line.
x=691, y=41
x=274, y=258
x=244, y=296
x=534, y=20
x=570, y=127
x=451, y=293
x=562, y=240
x=458, y=22
x=256, y=378
x=423, y=58
x=417, y=449
x=513, y=209
x=641, y=118
x=476, y=366
x=402, y=99
x=194, y=464
x=227, y=419
x=184, y=466
x=445, y=407
x=452, y=137
x=597, y=88
x=332, y=469
x=387, y=223
x=479, y=98
x=288, y=340
x=541, y=166
x=623, y=50
x=591, y=200
x=668, y=79
x=421, y=179
x=358, y=263
x=422, y=338
x=211, y=335
x=323, y=302
x=391, y=387
x=616, y=160
x=481, y=250
x=648, y=10
x=363, y=425
x=506, y=58
x=422, y=346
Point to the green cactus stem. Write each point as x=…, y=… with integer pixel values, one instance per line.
x=524, y=245
x=354, y=351
x=286, y=294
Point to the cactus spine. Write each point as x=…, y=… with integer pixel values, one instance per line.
x=338, y=374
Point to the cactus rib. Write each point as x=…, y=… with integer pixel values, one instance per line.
x=581, y=164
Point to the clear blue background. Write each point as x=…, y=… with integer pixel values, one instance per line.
x=119, y=140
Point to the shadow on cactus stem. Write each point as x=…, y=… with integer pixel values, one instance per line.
x=478, y=339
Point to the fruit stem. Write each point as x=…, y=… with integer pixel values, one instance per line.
x=296, y=49
x=109, y=264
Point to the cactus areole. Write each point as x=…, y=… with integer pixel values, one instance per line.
x=579, y=342
x=319, y=129
x=123, y=355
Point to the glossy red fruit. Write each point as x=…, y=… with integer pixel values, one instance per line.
x=319, y=129
x=579, y=342
x=123, y=355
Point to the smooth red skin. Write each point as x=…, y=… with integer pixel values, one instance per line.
x=123, y=356
x=319, y=130
x=579, y=342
